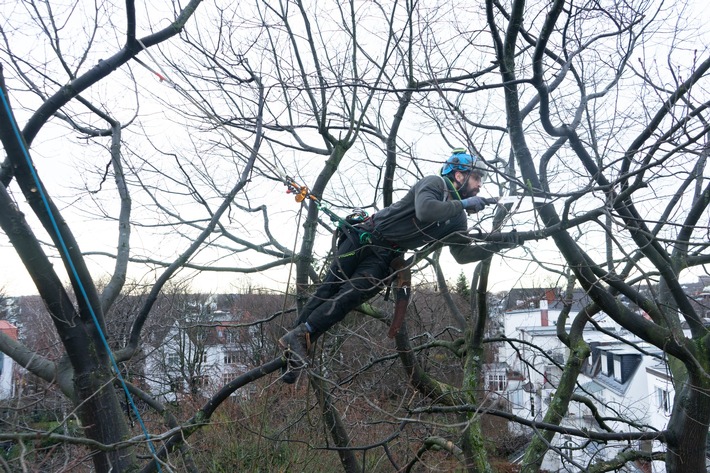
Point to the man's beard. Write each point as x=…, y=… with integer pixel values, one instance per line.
x=465, y=192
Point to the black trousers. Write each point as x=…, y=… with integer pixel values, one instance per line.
x=357, y=273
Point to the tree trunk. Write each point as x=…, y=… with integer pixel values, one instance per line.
x=535, y=453
x=688, y=427
x=335, y=426
x=102, y=417
x=305, y=260
x=473, y=444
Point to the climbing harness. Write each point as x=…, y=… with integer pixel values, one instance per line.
x=400, y=279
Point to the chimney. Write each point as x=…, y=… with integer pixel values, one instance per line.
x=543, y=313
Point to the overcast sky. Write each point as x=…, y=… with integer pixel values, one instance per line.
x=15, y=280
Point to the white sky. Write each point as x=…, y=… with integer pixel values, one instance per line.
x=14, y=279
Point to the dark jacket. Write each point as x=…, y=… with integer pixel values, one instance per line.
x=426, y=214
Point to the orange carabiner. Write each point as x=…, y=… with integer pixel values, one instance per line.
x=301, y=196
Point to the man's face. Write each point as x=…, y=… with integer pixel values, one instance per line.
x=469, y=184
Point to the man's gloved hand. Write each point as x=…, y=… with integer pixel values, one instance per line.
x=473, y=204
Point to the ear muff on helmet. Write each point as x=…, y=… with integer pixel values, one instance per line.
x=460, y=160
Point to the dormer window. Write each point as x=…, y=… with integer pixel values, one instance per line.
x=617, y=369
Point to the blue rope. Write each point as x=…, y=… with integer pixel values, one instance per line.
x=64, y=249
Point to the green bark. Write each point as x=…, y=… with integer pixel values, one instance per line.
x=473, y=443
x=688, y=425
x=558, y=407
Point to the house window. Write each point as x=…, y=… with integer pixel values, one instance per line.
x=552, y=375
x=232, y=336
x=517, y=398
x=569, y=446
x=228, y=377
x=663, y=400
x=610, y=365
x=201, y=381
x=173, y=359
x=496, y=382
x=231, y=358
x=201, y=357
x=617, y=369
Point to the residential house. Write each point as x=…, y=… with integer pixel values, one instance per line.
x=625, y=376
x=7, y=364
x=200, y=353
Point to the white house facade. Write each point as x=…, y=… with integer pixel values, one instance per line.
x=199, y=355
x=626, y=378
x=7, y=364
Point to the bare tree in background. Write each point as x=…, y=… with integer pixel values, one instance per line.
x=645, y=197
x=84, y=374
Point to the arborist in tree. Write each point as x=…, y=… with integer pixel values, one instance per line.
x=434, y=209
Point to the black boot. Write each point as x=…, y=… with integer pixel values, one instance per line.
x=296, y=345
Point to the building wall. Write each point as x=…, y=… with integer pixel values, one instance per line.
x=180, y=360
x=634, y=398
x=7, y=364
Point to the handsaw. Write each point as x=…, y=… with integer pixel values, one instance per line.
x=514, y=199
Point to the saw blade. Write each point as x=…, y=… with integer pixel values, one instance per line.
x=514, y=199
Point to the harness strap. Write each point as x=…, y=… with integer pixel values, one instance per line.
x=402, y=293
x=376, y=237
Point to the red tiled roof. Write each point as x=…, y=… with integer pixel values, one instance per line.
x=8, y=329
